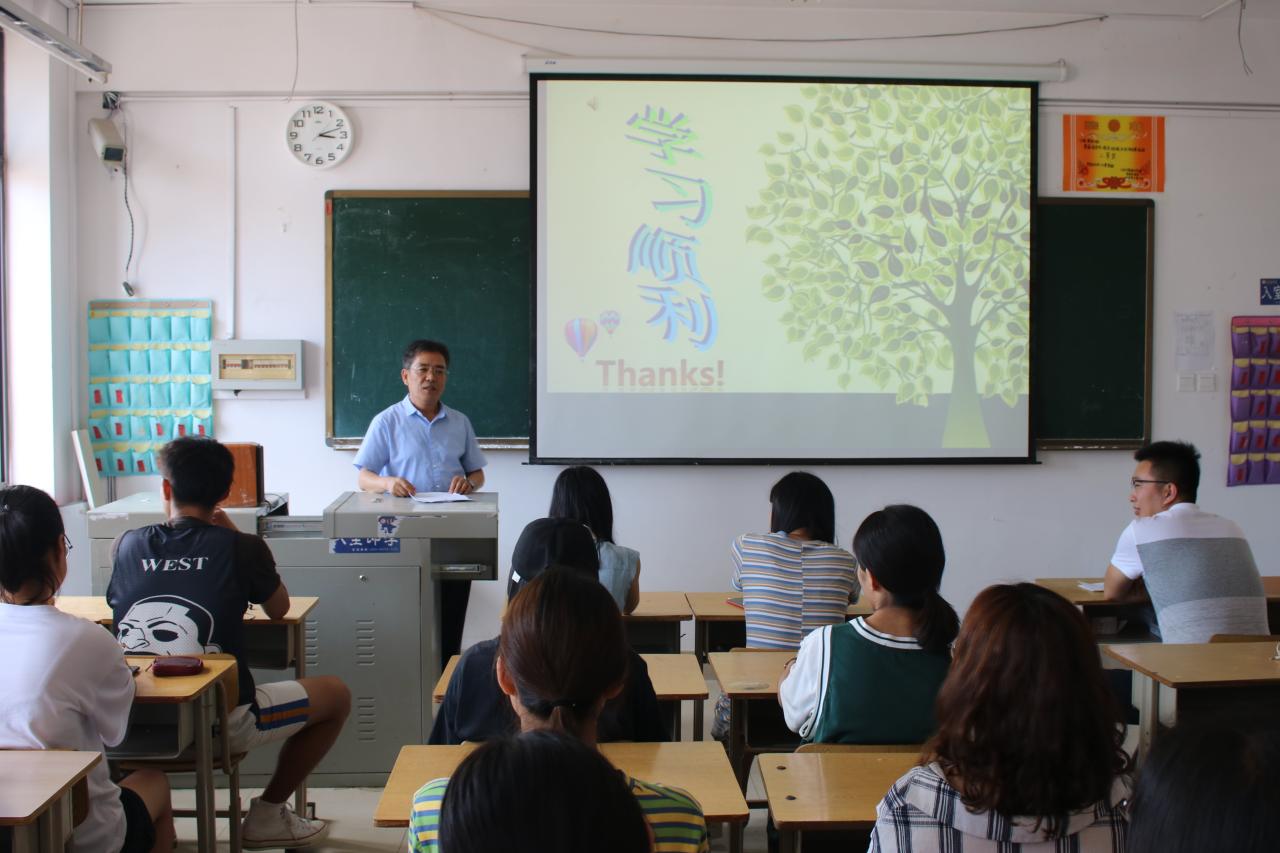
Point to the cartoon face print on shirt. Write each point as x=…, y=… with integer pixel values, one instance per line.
x=166, y=625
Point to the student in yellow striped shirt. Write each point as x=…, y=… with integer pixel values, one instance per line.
x=562, y=654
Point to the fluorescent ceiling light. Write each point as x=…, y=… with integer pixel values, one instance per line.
x=1055, y=72
x=17, y=20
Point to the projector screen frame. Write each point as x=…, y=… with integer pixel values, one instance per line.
x=537, y=77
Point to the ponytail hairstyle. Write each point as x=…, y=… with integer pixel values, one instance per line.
x=901, y=547
x=30, y=527
x=563, y=645
x=499, y=799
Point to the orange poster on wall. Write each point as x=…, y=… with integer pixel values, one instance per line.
x=1113, y=153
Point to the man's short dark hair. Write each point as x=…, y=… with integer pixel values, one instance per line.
x=1175, y=461
x=423, y=345
x=199, y=470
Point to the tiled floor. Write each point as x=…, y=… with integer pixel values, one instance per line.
x=350, y=811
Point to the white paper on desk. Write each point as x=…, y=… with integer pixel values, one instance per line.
x=438, y=497
x=1090, y=587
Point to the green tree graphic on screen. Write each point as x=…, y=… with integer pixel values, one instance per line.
x=897, y=221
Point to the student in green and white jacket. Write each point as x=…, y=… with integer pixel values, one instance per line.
x=873, y=679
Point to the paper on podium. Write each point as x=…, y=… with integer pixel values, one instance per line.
x=438, y=497
x=1090, y=587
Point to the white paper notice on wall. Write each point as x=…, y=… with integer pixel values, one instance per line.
x=1193, y=332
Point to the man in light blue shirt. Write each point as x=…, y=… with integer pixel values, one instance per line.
x=421, y=445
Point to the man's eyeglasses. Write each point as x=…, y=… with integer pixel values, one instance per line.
x=67, y=541
x=1134, y=482
x=434, y=370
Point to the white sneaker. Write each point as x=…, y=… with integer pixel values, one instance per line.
x=270, y=825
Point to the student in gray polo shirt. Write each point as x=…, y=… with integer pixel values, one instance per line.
x=1196, y=567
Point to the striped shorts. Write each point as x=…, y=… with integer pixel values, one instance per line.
x=282, y=710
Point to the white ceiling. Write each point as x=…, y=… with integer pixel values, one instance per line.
x=1066, y=8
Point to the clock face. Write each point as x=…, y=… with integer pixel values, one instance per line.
x=319, y=135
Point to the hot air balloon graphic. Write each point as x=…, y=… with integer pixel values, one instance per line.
x=610, y=320
x=580, y=332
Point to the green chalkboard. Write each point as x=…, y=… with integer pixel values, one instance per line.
x=452, y=266
x=1091, y=323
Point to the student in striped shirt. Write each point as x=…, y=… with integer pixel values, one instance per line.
x=794, y=579
x=499, y=799
x=562, y=654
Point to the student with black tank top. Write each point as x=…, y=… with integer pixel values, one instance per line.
x=874, y=679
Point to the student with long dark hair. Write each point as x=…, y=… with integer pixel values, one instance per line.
x=1028, y=750
x=499, y=799
x=874, y=678
x=1210, y=785
x=794, y=579
x=64, y=683
x=581, y=494
x=562, y=653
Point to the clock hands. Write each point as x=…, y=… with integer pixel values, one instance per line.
x=328, y=134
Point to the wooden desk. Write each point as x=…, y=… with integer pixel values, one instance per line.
x=654, y=626
x=719, y=626
x=196, y=694
x=699, y=768
x=35, y=795
x=828, y=791
x=747, y=678
x=269, y=643
x=675, y=678
x=1095, y=604
x=1204, y=678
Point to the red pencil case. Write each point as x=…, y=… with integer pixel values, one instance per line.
x=176, y=665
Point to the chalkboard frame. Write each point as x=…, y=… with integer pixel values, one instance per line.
x=1122, y=442
x=338, y=442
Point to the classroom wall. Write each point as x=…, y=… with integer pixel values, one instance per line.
x=40, y=259
x=223, y=212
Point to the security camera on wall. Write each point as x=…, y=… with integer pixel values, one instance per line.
x=107, y=142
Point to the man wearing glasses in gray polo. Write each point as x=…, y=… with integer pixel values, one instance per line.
x=421, y=445
x=1196, y=567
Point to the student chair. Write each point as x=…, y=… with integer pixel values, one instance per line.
x=860, y=747
x=1245, y=638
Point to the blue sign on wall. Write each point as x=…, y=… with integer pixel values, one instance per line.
x=1270, y=291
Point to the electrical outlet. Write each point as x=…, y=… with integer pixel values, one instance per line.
x=1206, y=380
x=1186, y=382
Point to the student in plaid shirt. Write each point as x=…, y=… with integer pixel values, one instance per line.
x=1027, y=757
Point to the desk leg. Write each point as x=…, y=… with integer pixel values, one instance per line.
x=738, y=741
x=206, y=814
x=788, y=841
x=300, y=668
x=1147, y=697
x=700, y=654
x=27, y=838
x=735, y=831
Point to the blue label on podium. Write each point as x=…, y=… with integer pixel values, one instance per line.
x=365, y=545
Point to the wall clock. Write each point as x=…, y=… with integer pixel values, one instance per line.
x=319, y=135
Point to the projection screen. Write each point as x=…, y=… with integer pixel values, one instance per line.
x=781, y=269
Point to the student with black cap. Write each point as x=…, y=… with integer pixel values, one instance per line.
x=475, y=708
x=874, y=679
